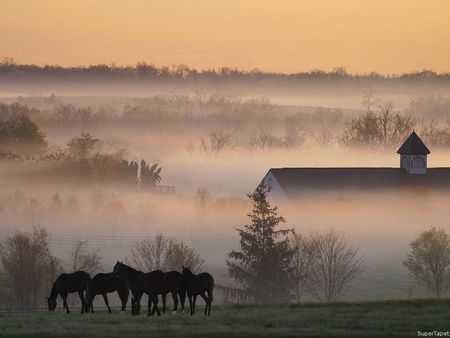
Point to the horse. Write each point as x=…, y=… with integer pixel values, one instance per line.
x=173, y=282
x=150, y=283
x=201, y=284
x=104, y=283
x=68, y=283
x=139, y=283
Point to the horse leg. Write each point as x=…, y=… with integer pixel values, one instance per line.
x=150, y=302
x=124, y=299
x=155, y=304
x=182, y=296
x=210, y=300
x=190, y=302
x=206, y=299
x=90, y=304
x=105, y=297
x=175, y=302
x=163, y=298
x=65, y=306
x=193, y=303
x=83, y=301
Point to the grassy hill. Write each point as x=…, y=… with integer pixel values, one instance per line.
x=347, y=319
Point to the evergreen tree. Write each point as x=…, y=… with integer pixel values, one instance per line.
x=262, y=265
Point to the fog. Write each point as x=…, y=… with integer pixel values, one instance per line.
x=112, y=219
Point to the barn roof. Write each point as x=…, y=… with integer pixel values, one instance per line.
x=295, y=181
x=413, y=146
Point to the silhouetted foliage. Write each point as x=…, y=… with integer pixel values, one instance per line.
x=262, y=265
x=17, y=131
x=28, y=269
x=428, y=261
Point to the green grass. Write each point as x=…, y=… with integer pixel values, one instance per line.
x=401, y=318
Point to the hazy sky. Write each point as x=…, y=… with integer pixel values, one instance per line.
x=276, y=35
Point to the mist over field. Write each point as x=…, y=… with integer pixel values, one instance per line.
x=214, y=148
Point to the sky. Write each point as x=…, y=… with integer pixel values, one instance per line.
x=387, y=36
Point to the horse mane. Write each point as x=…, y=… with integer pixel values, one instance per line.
x=130, y=269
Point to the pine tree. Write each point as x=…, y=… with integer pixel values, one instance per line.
x=262, y=265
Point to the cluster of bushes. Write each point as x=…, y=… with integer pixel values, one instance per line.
x=83, y=159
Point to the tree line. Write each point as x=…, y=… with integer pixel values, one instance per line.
x=143, y=71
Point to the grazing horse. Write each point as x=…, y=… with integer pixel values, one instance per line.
x=140, y=283
x=104, y=283
x=173, y=282
x=69, y=283
x=201, y=284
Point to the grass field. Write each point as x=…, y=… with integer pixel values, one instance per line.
x=352, y=319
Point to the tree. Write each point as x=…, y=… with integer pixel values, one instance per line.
x=301, y=263
x=165, y=254
x=82, y=259
x=328, y=120
x=180, y=254
x=262, y=265
x=335, y=264
x=81, y=147
x=28, y=269
x=216, y=142
x=149, y=255
x=17, y=131
x=428, y=260
x=382, y=130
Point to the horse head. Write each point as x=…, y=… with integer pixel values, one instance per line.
x=51, y=304
x=117, y=268
x=187, y=273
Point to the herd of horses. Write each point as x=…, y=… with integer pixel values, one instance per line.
x=125, y=278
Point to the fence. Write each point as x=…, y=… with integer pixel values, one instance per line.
x=165, y=189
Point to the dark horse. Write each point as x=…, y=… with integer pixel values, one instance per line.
x=140, y=283
x=173, y=282
x=201, y=284
x=104, y=283
x=69, y=283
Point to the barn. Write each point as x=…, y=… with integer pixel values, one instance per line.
x=291, y=183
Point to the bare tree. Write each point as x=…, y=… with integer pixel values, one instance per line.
x=165, y=254
x=301, y=264
x=385, y=129
x=264, y=139
x=328, y=119
x=82, y=259
x=428, y=260
x=148, y=255
x=335, y=263
x=216, y=142
x=385, y=118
